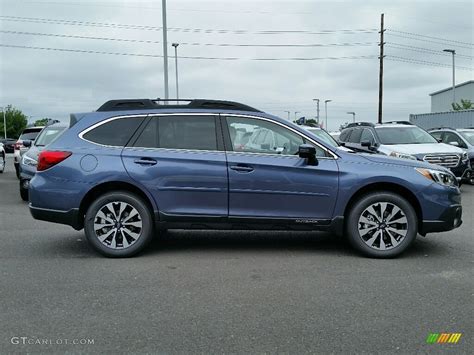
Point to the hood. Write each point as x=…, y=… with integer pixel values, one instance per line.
x=421, y=149
x=383, y=159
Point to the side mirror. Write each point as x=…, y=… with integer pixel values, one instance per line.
x=27, y=143
x=367, y=144
x=456, y=144
x=308, y=152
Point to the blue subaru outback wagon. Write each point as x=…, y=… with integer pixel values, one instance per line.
x=136, y=167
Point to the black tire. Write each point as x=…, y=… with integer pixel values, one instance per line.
x=146, y=219
x=23, y=192
x=17, y=171
x=376, y=250
x=3, y=158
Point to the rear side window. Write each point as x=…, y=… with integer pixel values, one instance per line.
x=30, y=134
x=114, y=133
x=179, y=132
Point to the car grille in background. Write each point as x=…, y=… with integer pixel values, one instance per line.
x=448, y=161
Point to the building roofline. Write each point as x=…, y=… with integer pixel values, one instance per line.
x=450, y=88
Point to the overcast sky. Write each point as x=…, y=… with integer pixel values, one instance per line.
x=52, y=83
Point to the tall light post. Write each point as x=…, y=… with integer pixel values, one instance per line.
x=175, y=45
x=353, y=115
x=165, y=48
x=296, y=112
x=326, y=111
x=453, y=52
x=288, y=112
x=4, y=122
x=317, y=108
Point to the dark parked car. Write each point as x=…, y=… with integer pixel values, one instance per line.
x=8, y=144
x=29, y=160
x=28, y=134
x=135, y=167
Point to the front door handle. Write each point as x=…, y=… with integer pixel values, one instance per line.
x=145, y=161
x=242, y=168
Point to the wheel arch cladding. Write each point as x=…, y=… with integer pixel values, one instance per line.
x=387, y=187
x=112, y=186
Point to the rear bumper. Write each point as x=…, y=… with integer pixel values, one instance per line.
x=70, y=217
x=450, y=219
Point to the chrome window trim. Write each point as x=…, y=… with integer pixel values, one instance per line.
x=82, y=133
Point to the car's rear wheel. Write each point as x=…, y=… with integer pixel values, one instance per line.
x=2, y=163
x=118, y=224
x=382, y=225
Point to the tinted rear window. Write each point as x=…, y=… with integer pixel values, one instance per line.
x=179, y=132
x=114, y=133
x=30, y=134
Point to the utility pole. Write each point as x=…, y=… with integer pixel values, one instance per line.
x=165, y=48
x=288, y=112
x=382, y=43
x=175, y=45
x=453, y=52
x=317, y=108
x=326, y=111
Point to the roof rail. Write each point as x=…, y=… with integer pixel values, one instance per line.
x=400, y=122
x=144, y=104
x=357, y=124
x=443, y=127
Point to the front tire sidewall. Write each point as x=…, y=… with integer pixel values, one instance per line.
x=143, y=210
x=352, y=225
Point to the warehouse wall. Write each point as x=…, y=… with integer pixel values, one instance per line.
x=453, y=119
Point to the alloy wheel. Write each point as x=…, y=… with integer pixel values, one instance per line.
x=383, y=226
x=118, y=225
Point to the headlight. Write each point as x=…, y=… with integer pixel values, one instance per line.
x=441, y=177
x=26, y=160
x=464, y=157
x=403, y=156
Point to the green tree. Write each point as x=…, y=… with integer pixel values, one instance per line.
x=465, y=105
x=42, y=122
x=16, y=122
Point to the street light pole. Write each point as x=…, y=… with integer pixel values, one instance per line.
x=165, y=48
x=353, y=115
x=453, y=52
x=175, y=45
x=326, y=111
x=317, y=108
x=296, y=112
x=288, y=112
x=4, y=122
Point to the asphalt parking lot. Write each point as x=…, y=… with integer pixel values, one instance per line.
x=231, y=292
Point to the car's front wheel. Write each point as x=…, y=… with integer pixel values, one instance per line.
x=2, y=163
x=382, y=224
x=118, y=224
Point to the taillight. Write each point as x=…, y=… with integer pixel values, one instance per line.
x=47, y=159
x=17, y=146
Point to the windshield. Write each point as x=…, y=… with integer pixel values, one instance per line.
x=48, y=135
x=404, y=135
x=29, y=135
x=324, y=136
x=468, y=135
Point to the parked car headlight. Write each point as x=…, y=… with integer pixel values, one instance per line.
x=441, y=177
x=464, y=157
x=26, y=160
x=402, y=155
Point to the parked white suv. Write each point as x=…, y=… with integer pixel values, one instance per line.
x=30, y=134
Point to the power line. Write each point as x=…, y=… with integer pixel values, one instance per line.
x=425, y=50
x=431, y=37
x=179, y=29
x=424, y=62
x=184, y=57
x=346, y=44
x=429, y=41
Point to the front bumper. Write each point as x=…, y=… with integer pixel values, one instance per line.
x=70, y=217
x=450, y=219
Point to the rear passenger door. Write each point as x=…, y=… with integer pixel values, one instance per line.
x=180, y=159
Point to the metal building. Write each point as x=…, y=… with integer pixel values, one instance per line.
x=441, y=100
x=453, y=119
